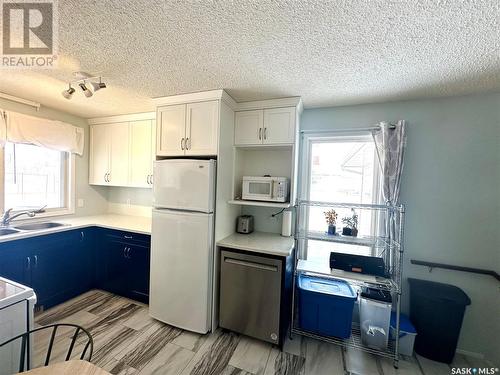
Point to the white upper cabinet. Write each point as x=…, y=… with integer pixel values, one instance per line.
x=202, y=128
x=119, y=150
x=99, y=155
x=279, y=126
x=188, y=129
x=248, y=127
x=108, y=145
x=122, y=153
x=273, y=126
x=171, y=131
x=142, y=151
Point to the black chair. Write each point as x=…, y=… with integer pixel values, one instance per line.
x=24, y=360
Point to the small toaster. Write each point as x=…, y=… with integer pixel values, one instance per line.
x=244, y=224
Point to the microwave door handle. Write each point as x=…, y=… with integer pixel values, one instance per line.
x=272, y=189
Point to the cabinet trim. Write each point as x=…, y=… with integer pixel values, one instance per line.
x=122, y=118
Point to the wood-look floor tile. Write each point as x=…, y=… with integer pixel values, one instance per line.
x=214, y=355
x=430, y=367
x=283, y=363
x=230, y=370
x=139, y=320
x=190, y=340
x=405, y=367
x=118, y=368
x=360, y=362
x=251, y=355
x=170, y=360
x=84, y=302
x=112, y=342
x=323, y=358
x=295, y=346
x=113, y=304
x=147, y=345
x=101, y=325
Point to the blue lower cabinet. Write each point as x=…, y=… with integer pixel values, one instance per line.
x=124, y=264
x=63, y=265
x=15, y=261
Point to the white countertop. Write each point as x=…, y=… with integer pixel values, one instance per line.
x=260, y=242
x=12, y=292
x=136, y=224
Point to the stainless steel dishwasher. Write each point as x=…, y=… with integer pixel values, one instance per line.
x=250, y=295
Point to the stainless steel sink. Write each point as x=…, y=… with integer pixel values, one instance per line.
x=6, y=231
x=38, y=226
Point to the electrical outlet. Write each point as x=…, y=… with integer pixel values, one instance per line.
x=80, y=203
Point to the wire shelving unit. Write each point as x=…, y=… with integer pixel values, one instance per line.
x=388, y=245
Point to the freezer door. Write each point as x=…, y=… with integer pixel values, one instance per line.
x=184, y=184
x=181, y=269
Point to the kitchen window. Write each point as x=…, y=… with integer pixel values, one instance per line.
x=34, y=177
x=339, y=169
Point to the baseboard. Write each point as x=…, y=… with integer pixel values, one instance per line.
x=470, y=354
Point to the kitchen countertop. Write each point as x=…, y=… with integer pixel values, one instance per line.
x=260, y=242
x=12, y=292
x=136, y=224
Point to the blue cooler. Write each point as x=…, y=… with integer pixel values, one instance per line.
x=325, y=306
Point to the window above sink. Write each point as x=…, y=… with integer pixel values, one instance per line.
x=36, y=176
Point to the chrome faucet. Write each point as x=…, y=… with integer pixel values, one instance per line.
x=7, y=217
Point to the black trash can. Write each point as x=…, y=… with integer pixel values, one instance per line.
x=437, y=311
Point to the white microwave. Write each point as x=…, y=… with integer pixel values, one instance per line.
x=269, y=189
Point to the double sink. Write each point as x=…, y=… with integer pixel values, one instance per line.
x=4, y=231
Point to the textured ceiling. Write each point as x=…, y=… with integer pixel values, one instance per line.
x=329, y=52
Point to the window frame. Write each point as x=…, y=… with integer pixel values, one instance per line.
x=305, y=175
x=330, y=137
x=69, y=189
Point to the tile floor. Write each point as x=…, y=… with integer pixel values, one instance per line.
x=127, y=341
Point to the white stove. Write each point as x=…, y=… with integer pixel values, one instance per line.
x=16, y=317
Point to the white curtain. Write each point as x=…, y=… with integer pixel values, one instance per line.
x=390, y=144
x=56, y=135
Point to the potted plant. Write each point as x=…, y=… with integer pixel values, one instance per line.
x=331, y=219
x=351, y=225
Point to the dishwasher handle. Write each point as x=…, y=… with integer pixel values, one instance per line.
x=245, y=263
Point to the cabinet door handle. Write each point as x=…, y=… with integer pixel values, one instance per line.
x=187, y=143
x=265, y=133
x=105, y=174
x=128, y=253
x=82, y=236
x=28, y=263
x=147, y=179
x=260, y=134
x=127, y=237
x=244, y=263
x=109, y=176
x=125, y=252
x=151, y=179
x=35, y=263
x=182, y=144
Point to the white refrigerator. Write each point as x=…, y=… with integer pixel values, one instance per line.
x=182, y=243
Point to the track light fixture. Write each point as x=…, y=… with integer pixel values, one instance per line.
x=68, y=94
x=85, y=90
x=97, y=86
x=87, y=83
